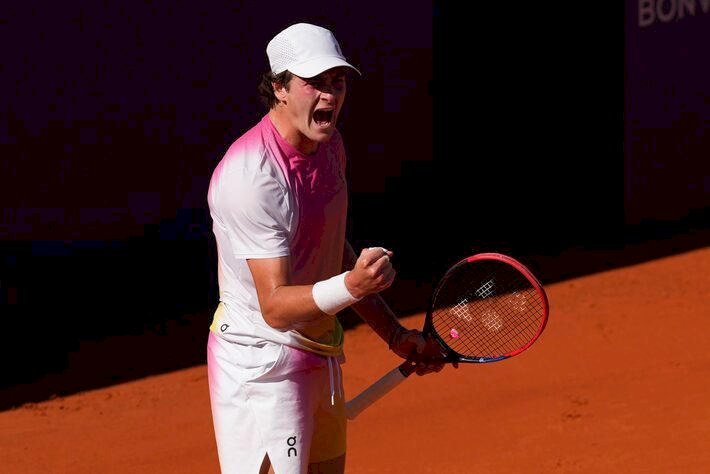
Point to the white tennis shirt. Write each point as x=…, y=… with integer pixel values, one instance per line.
x=267, y=200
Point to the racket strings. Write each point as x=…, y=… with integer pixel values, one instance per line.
x=521, y=331
x=487, y=310
x=498, y=332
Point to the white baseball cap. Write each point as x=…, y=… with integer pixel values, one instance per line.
x=306, y=50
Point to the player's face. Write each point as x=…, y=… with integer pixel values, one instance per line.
x=313, y=105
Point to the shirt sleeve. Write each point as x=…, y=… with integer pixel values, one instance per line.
x=255, y=212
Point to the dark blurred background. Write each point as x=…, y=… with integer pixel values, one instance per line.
x=573, y=137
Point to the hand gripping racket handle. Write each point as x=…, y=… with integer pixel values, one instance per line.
x=378, y=389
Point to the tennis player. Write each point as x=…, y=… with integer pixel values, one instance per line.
x=278, y=200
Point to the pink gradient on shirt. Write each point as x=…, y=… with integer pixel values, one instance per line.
x=320, y=189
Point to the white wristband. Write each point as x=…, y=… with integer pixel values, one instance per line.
x=332, y=295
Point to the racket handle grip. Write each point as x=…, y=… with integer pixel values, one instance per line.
x=378, y=389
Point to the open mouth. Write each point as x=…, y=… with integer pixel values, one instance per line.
x=323, y=117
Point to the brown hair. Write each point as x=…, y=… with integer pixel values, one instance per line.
x=266, y=87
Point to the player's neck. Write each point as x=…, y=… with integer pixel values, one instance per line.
x=291, y=133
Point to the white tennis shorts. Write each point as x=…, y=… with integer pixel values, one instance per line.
x=274, y=399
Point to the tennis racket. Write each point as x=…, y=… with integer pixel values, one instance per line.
x=486, y=308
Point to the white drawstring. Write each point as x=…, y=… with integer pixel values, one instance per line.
x=334, y=380
x=330, y=374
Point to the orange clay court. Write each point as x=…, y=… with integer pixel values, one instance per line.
x=618, y=382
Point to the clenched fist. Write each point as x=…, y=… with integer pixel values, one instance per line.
x=372, y=272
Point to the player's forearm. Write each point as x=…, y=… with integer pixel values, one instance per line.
x=372, y=309
x=284, y=306
x=377, y=314
x=291, y=307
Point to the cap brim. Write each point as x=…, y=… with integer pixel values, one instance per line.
x=315, y=66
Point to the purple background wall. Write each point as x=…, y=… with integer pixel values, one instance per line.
x=667, y=109
x=114, y=115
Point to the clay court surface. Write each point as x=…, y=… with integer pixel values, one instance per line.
x=619, y=382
